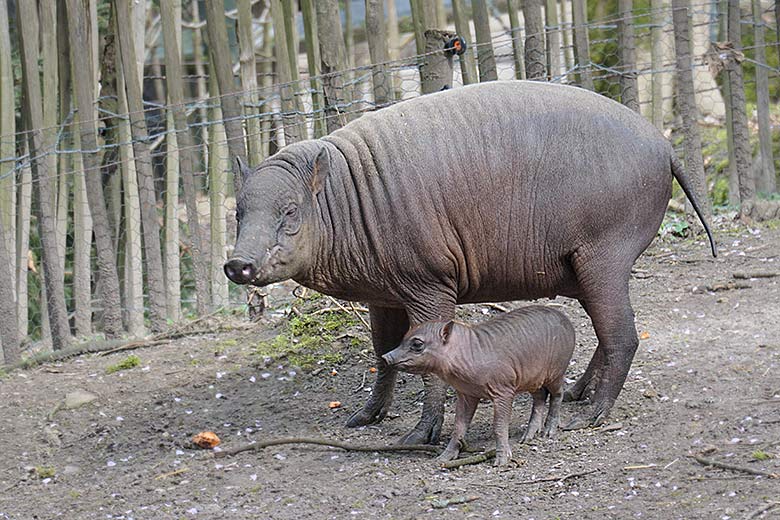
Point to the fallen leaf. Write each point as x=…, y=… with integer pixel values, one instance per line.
x=644, y=335
x=334, y=404
x=334, y=372
x=206, y=440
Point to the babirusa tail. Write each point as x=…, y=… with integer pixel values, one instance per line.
x=682, y=177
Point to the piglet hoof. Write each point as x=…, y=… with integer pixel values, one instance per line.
x=529, y=435
x=503, y=457
x=551, y=432
x=447, y=455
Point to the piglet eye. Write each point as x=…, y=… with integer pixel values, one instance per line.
x=292, y=211
x=291, y=221
x=417, y=345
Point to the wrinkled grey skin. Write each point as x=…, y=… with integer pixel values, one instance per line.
x=526, y=350
x=491, y=192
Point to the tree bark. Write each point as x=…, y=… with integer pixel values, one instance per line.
x=230, y=96
x=24, y=201
x=742, y=155
x=485, y=57
x=468, y=67
x=629, y=92
x=766, y=181
x=723, y=8
x=248, y=66
x=534, y=40
x=143, y=164
x=517, y=39
x=553, y=30
x=188, y=153
x=27, y=27
x=377, y=48
x=566, y=36
x=7, y=129
x=218, y=166
x=201, y=88
x=293, y=129
x=349, y=35
x=436, y=66
x=333, y=56
x=656, y=61
x=581, y=44
x=313, y=61
x=393, y=45
x=418, y=24
x=686, y=102
x=9, y=330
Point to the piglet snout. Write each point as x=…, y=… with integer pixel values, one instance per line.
x=389, y=358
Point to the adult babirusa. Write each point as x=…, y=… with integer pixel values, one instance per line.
x=547, y=190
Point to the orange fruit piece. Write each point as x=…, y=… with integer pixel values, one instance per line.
x=206, y=440
x=334, y=404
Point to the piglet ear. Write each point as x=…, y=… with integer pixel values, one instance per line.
x=446, y=331
x=320, y=171
x=240, y=172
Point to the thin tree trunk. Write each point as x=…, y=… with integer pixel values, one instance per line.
x=313, y=61
x=686, y=101
x=8, y=138
x=266, y=83
x=418, y=24
x=293, y=129
x=349, y=34
x=393, y=44
x=766, y=181
x=248, y=67
x=629, y=93
x=333, y=56
x=201, y=87
x=534, y=40
x=656, y=62
x=82, y=248
x=468, y=66
x=723, y=8
x=436, y=67
x=9, y=330
x=742, y=155
x=188, y=153
x=219, y=165
x=517, y=39
x=581, y=44
x=143, y=164
x=377, y=48
x=83, y=72
x=553, y=39
x=485, y=56
x=27, y=26
x=230, y=96
x=24, y=201
x=133, y=250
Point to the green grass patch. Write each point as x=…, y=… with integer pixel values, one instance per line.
x=129, y=362
x=761, y=455
x=43, y=472
x=311, y=339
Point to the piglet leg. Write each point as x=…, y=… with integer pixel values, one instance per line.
x=556, y=397
x=537, y=415
x=502, y=413
x=464, y=412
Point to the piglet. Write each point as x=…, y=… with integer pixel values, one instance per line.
x=526, y=350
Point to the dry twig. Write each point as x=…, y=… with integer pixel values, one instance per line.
x=558, y=479
x=734, y=467
x=474, y=459
x=758, y=274
x=323, y=442
x=763, y=509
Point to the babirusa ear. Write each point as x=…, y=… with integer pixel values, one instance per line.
x=240, y=172
x=320, y=171
x=446, y=331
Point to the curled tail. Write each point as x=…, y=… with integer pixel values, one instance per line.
x=682, y=178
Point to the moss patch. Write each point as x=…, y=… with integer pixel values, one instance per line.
x=129, y=362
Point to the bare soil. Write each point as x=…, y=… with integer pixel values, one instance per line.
x=704, y=381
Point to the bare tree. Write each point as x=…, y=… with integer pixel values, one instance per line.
x=27, y=24
x=766, y=181
x=81, y=57
x=377, y=47
x=313, y=61
x=248, y=67
x=293, y=127
x=629, y=92
x=517, y=38
x=7, y=131
x=230, y=96
x=581, y=44
x=553, y=39
x=187, y=150
x=333, y=56
x=686, y=102
x=468, y=67
x=218, y=166
x=534, y=40
x=143, y=165
x=485, y=57
x=9, y=330
x=656, y=58
x=742, y=155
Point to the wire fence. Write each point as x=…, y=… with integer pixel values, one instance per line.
x=268, y=113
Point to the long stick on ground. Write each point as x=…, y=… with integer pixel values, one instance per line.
x=734, y=467
x=323, y=442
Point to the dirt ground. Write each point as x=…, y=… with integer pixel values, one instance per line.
x=704, y=381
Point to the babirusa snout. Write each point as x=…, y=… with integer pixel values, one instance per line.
x=240, y=270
